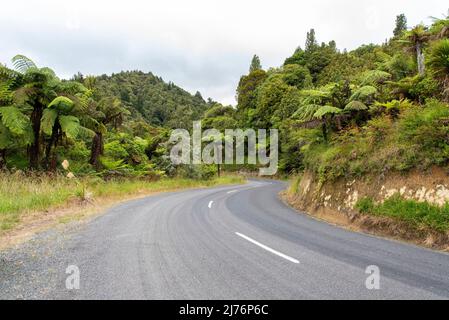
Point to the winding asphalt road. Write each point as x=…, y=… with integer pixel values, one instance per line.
x=233, y=242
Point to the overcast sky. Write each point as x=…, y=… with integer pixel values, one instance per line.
x=203, y=45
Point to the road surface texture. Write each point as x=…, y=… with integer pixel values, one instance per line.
x=233, y=242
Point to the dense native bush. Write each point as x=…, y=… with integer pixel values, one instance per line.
x=419, y=138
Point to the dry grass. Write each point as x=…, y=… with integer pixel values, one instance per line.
x=23, y=196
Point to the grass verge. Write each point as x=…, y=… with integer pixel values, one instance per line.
x=417, y=214
x=22, y=195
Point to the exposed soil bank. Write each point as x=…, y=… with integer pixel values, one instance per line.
x=335, y=202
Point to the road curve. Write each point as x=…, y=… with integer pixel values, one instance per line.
x=233, y=242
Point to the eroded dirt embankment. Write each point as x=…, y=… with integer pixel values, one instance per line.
x=335, y=202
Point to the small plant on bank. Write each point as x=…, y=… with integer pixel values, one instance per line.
x=294, y=186
x=84, y=195
x=416, y=213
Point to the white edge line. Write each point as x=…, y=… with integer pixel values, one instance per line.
x=267, y=248
x=210, y=204
x=232, y=191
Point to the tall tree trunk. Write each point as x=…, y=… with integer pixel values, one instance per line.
x=96, y=149
x=324, y=129
x=34, y=149
x=2, y=158
x=420, y=59
x=338, y=122
x=53, y=140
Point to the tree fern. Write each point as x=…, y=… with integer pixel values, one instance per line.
x=439, y=58
x=373, y=77
x=48, y=120
x=22, y=64
x=306, y=112
x=6, y=139
x=363, y=93
x=61, y=104
x=5, y=93
x=326, y=110
x=13, y=119
x=70, y=125
x=84, y=132
x=355, y=106
x=314, y=96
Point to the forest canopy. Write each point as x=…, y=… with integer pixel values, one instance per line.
x=376, y=108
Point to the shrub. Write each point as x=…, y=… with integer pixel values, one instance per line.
x=197, y=171
x=365, y=205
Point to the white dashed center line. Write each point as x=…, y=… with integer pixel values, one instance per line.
x=267, y=248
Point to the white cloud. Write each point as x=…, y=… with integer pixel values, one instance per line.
x=199, y=44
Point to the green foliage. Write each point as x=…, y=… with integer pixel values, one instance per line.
x=439, y=58
x=298, y=57
x=296, y=76
x=399, y=65
x=339, y=113
x=148, y=97
x=269, y=96
x=70, y=125
x=374, y=77
x=365, y=94
x=45, y=192
x=246, y=90
x=13, y=119
x=345, y=66
x=22, y=63
x=294, y=185
x=355, y=106
x=417, y=214
x=48, y=120
x=197, y=172
x=255, y=64
x=401, y=25
x=365, y=205
x=326, y=110
x=418, y=138
x=311, y=42
x=417, y=88
x=61, y=104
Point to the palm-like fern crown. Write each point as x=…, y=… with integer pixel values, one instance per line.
x=23, y=64
x=439, y=58
x=355, y=106
x=326, y=110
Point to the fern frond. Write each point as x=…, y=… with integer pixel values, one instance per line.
x=439, y=58
x=325, y=110
x=6, y=94
x=61, y=104
x=48, y=120
x=363, y=93
x=70, y=125
x=84, y=132
x=373, y=77
x=14, y=120
x=22, y=63
x=355, y=106
x=6, y=139
x=306, y=112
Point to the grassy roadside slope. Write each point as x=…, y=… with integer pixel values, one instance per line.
x=22, y=195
